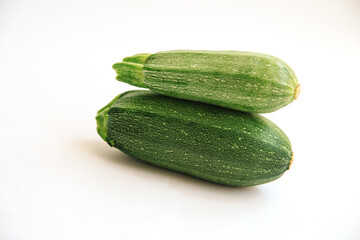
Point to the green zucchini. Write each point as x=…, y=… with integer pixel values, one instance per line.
x=245, y=81
x=208, y=142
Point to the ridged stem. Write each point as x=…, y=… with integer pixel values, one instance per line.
x=102, y=117
x=130, y=70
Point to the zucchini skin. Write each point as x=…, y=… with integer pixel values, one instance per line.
x=244, y=81
x=208, y=142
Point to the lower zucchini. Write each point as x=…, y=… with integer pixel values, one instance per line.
x=208, y=142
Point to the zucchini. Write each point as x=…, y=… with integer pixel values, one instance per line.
x=208, y=142
x=245, y=81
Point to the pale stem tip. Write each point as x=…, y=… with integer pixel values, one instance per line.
x=292, y=160
x=297, y=91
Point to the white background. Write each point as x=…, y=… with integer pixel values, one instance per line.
x=60, y=180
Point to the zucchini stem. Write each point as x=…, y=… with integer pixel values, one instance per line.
x=102, y=118
x=130, y=70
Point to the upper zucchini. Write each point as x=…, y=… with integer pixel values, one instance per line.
x=245, y=81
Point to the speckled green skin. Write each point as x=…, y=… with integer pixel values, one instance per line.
x=245, y=81
x=212, y=143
